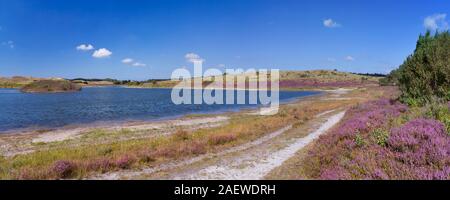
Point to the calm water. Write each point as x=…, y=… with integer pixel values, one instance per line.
x=103, y=104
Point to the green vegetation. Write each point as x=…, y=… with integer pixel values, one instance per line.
x=49, y=86
x=391, y=79
x=10, y=85
x=426, y=73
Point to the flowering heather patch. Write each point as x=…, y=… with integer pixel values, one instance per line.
x=365, y=147
x=63, y=169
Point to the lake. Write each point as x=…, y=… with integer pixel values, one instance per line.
x=102, y=104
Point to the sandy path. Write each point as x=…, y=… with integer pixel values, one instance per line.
x=256, y=164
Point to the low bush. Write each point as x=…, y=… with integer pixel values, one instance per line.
x=43, y=86
x=380, y=136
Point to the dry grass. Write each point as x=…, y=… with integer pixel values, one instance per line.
x=182, y=135
x=324, y=75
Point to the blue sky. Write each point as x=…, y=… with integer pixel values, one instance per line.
x=40, y=38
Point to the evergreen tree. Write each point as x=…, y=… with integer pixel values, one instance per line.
x=426, y=73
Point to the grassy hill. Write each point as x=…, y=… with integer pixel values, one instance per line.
x=50, y=86
x=21, y=81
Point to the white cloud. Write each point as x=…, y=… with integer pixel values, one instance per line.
x=192, y=57
x=330, y=23
x=102, y=53
x=435, y=22
x=9, y=43
x=349, y=58
x=85, y=47
x=127, y=61
x=130, y=61
x=138, y=64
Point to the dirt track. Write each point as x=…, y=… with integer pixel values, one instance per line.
x=253, y=160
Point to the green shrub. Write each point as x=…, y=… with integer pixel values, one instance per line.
x=359, y=141
x=437, y=109
x=2, y=164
